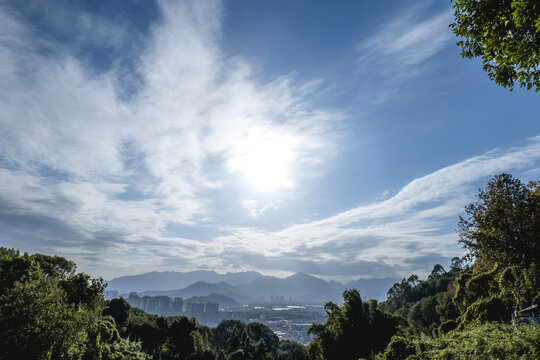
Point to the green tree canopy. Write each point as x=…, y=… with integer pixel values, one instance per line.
x=505, y=34
x=504, y=224
x=118, y=309
x=46, y=310
x=357, y=329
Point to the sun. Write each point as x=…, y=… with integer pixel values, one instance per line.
x=265, y=158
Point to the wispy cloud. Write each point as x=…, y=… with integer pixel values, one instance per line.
x=402, y=49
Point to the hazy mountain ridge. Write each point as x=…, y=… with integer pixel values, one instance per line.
x=173, y=280
x=202, y=288
x=245, y=287
x=222, y=300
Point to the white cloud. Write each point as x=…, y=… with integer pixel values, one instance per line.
x=402, y=49
x=404, y=43
x=93, y=170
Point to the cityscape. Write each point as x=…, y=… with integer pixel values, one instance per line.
x=289, y=322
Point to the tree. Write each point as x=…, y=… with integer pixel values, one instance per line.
x=504, y=224
x=357, y=329
x=265, y=336
x=47, y=311
x=118, y=309
x=290, y=350
x=180, y=343
x=37, y=322
x=505, y=34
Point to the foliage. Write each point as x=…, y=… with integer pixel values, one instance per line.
x=184, y=341
x=502, y=232
x=254, y=341
x=494, y=294
x=107, y=344
x=432, y=311
x=357, y=329
x=150, y=330
x=505, y=34
x=47, y=311
x=267, y=338
x=502, y=235
x=399, y=348
x=37, y=322
x=426, y=303
x=478, y=341
x=504, y=224
x=118, y=309
x=290, y=350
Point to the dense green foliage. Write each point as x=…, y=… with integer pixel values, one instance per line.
x=505, y=34
x=425, y=303
x=476, y=341
x=356, y=329
x=48, y=311
x=470, y=319
x=503, y=225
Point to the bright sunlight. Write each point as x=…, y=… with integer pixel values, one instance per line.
x=265, y=158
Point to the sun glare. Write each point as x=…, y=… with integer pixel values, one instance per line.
x=265, y=159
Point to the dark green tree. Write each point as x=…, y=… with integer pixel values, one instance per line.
x=355, y=330
x=264, y=335
x=180, y=343
x=36, y=322
x=105, y=343
x=227, y=335
x=290, y=350
x=503, y=225
x=43, y=313
x=118, y=309
x=505, y=34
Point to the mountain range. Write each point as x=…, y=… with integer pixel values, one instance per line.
x=248, y=287
x=170, y=280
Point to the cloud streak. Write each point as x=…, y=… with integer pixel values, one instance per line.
x=402, y=49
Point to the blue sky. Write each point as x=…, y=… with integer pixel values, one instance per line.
x=342, y=140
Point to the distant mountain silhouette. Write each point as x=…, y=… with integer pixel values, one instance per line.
x=248, y=287
x=222, y=300
x=300, y=287
x=171, y=280
x=202, y=288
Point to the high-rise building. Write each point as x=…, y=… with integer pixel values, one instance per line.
x=178, y=304
x=211, y=307
x=162, y=305
x=133, y=299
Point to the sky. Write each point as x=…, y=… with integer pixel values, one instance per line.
x=340, y=139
